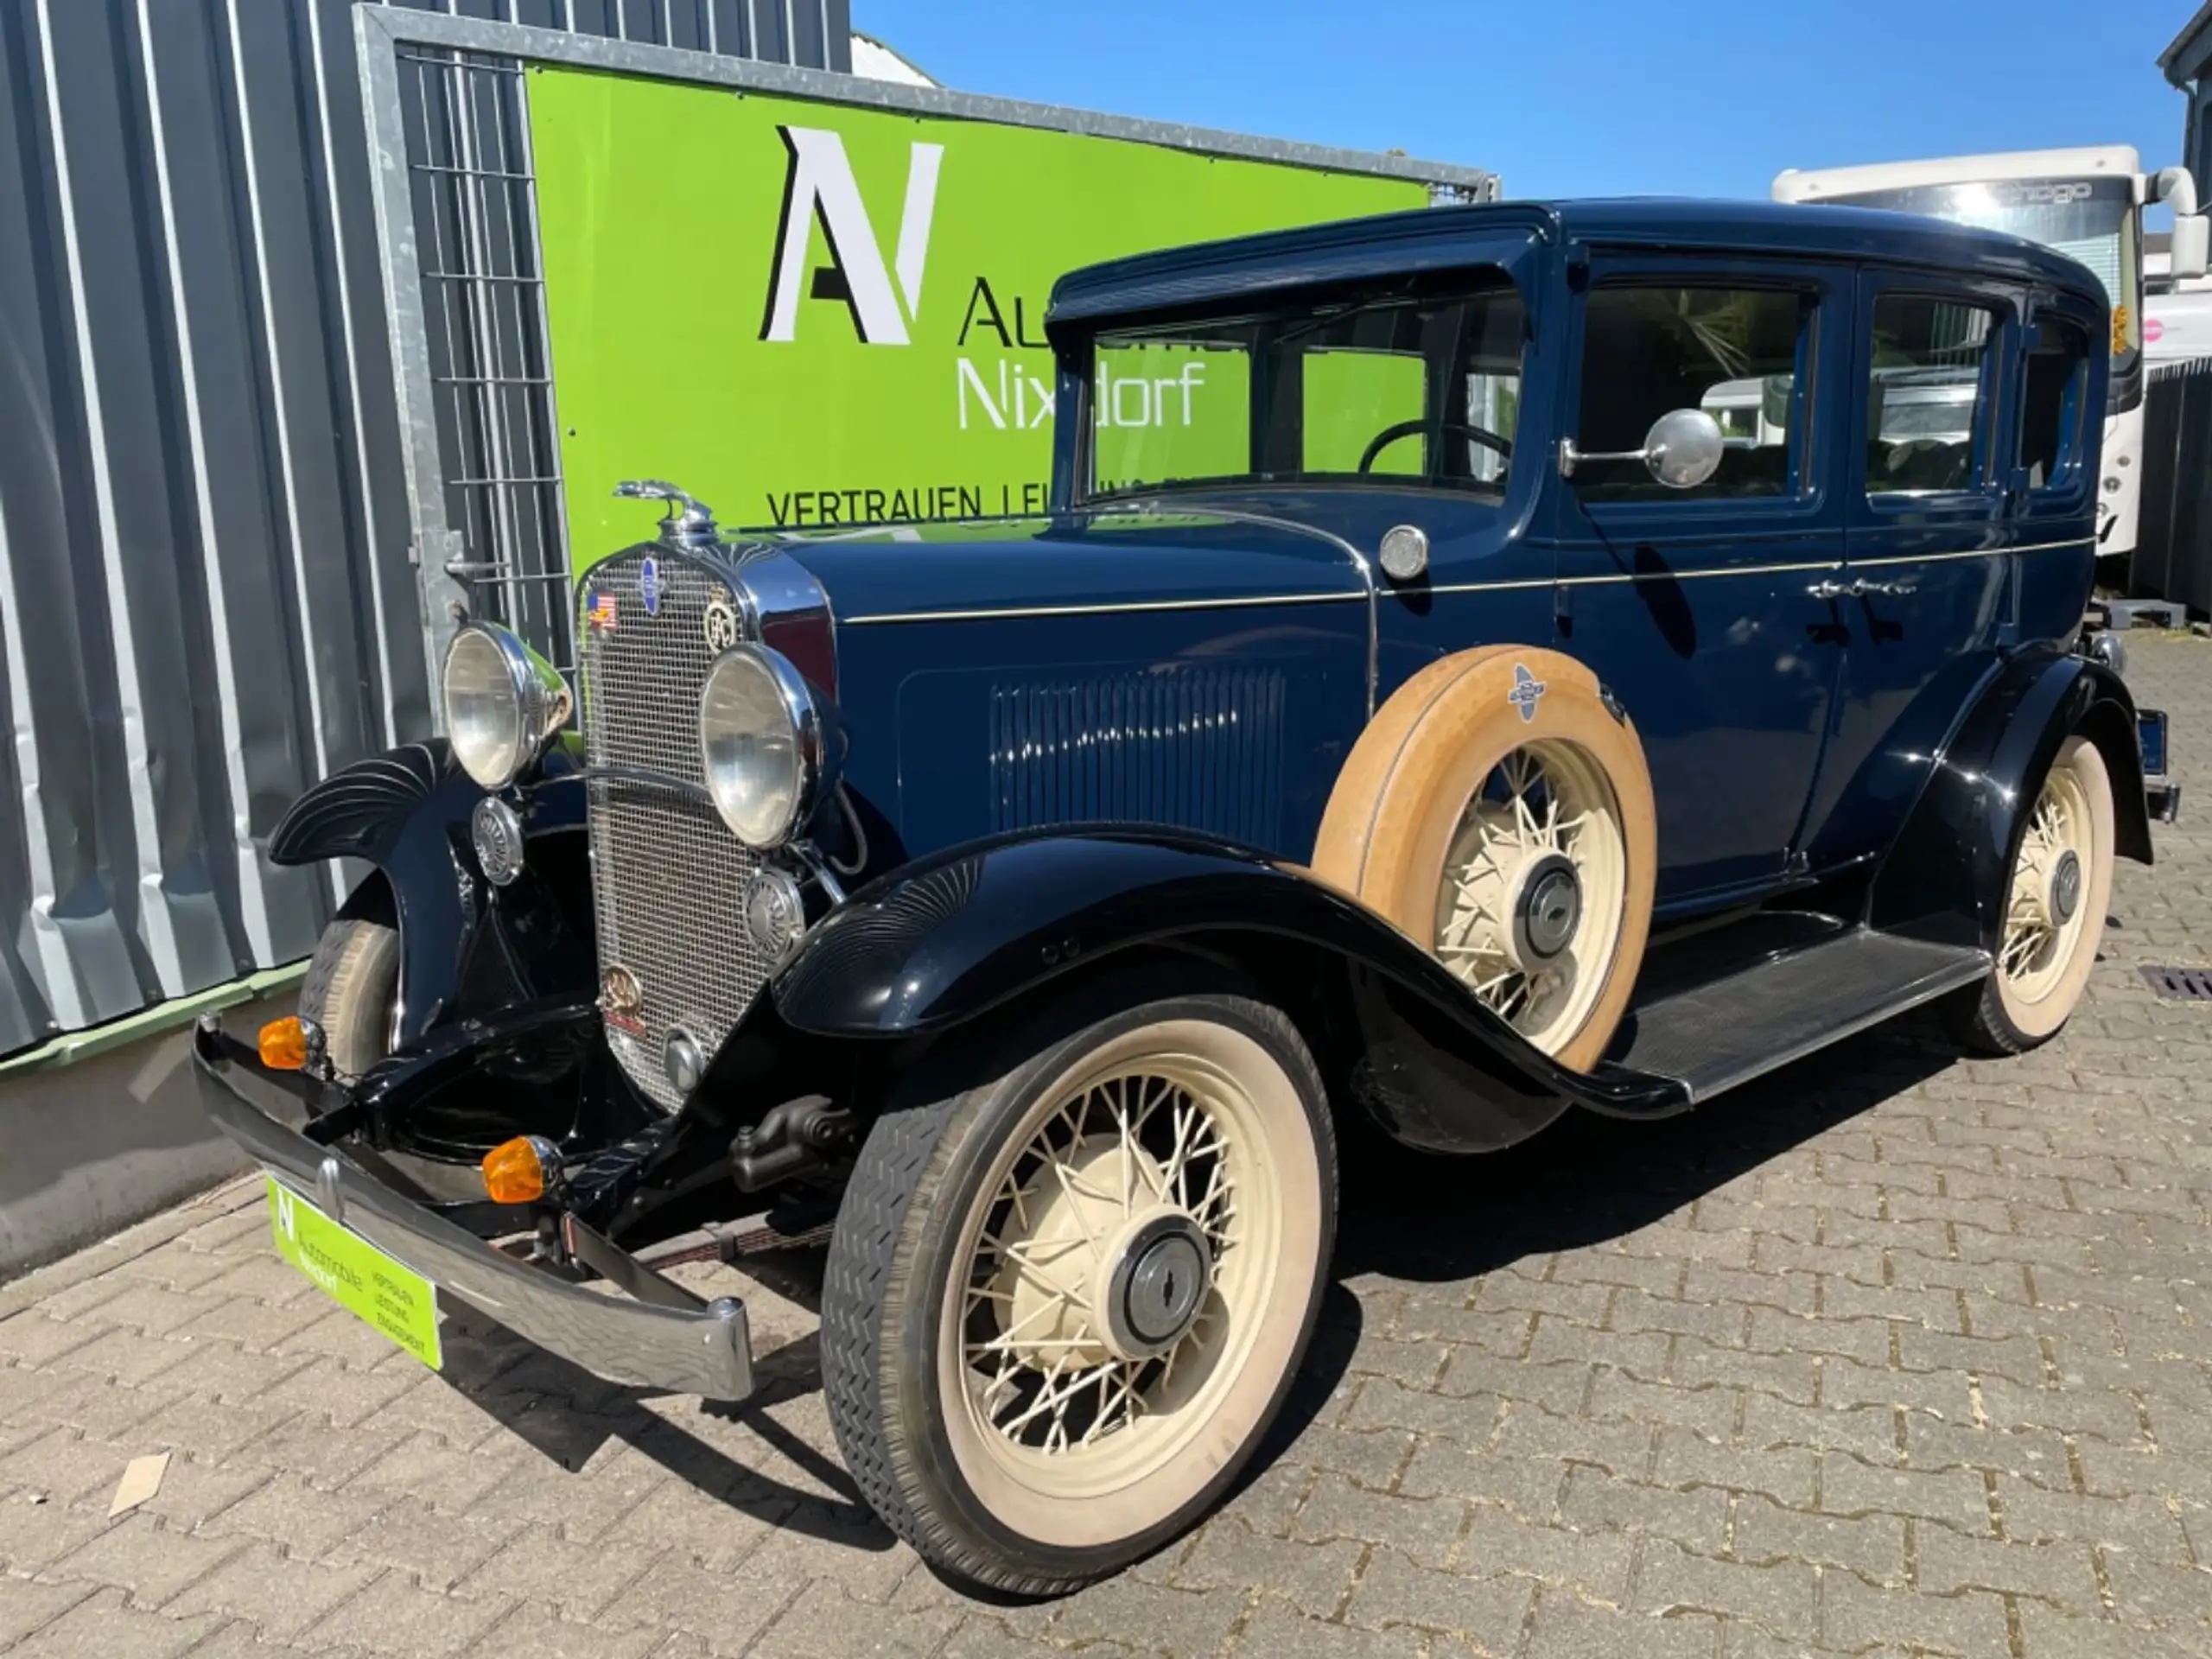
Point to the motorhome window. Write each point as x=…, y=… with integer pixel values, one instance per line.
x=2092, y=220
x=1420, y=390
x=1927, y=403
x=1739, y=354
x=2051, y=403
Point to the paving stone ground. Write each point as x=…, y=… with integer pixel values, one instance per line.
x=1891, y=1353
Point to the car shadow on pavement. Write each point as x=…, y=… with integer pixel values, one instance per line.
x=570, y=1416
x=1587, y=1179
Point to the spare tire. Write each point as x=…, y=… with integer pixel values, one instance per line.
x=1498, y=811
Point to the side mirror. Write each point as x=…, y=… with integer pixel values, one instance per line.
x=2192, y=247
x=1684, y=448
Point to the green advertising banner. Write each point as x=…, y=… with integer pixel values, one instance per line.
x=812, y=314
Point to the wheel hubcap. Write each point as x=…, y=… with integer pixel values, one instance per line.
x=1097, y=1297
x=1157, y=1281
x=2066, y=887
x=1549, y=910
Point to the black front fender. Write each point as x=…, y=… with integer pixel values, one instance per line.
x=462, y=942
x=1944, y=878
x=950, y=938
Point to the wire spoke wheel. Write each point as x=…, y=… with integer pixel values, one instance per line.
x=1529, y=907
x=2052, y=914
x=1118, y=1262
x=2045, y=912
x=1064, y=1299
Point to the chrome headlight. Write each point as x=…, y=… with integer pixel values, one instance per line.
x=503, y=702
x=760, y=742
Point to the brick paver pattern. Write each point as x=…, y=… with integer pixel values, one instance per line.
x=1889, y=1353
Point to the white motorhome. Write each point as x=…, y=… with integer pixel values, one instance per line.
x=2087, y=203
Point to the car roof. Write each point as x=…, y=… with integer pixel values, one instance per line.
x=1436, y=238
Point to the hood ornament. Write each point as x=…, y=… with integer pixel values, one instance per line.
x=690, y=522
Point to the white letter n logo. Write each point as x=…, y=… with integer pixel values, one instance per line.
x=820, y=185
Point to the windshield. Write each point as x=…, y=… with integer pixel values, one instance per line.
x=1419, y=388
x=2089, y=219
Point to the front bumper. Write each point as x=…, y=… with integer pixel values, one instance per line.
x=674, y=1340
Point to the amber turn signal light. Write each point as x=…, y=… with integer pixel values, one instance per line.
x=284, y=1044
x=514, y=1171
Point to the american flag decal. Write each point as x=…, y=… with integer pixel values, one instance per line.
x=602, y=613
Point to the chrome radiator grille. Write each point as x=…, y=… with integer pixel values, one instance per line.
x=668, y=878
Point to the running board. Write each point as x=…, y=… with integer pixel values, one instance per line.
x=1729, y=1030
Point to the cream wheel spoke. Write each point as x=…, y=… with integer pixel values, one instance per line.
x=1054, y=1364
x=2040, y=926
x=1545, y=809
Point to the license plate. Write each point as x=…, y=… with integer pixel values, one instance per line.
x=2151, y=735
x=354, y=1274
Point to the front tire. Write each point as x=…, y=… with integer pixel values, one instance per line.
x=352, y=992
x=2054, y=916
x=1062, y=1308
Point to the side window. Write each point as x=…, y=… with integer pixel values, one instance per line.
x=2051, y=402
x=1928, y=405
x=1739, y=354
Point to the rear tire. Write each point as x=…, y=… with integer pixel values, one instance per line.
x=2052, y=923
x=1062, y=1308
x=352, y=992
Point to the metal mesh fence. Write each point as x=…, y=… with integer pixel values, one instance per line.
x=483, y=291
x=473, y=199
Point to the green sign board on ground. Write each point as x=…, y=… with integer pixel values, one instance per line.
x=357, y=1275
x=812, y=314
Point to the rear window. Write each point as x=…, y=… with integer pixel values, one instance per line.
x=2054, y=388
x=1927, y=401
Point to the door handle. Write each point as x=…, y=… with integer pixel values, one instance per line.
x=1859, y=588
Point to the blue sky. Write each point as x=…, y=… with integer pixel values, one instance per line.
x=1586, y=97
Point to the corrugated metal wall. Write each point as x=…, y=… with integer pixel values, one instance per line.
x=206, y=598
x=2173, y=548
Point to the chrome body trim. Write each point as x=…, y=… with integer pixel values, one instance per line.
x=1616, y=578
x=1360, y=563
x=809, y=732
x=1123, y=608
x=785, y=608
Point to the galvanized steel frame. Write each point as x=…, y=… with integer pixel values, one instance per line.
x=385, y=39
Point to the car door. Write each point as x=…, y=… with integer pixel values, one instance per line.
x=1927, y=597
x=1691, y=606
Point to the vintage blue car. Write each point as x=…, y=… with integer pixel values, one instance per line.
x=1479, y=663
